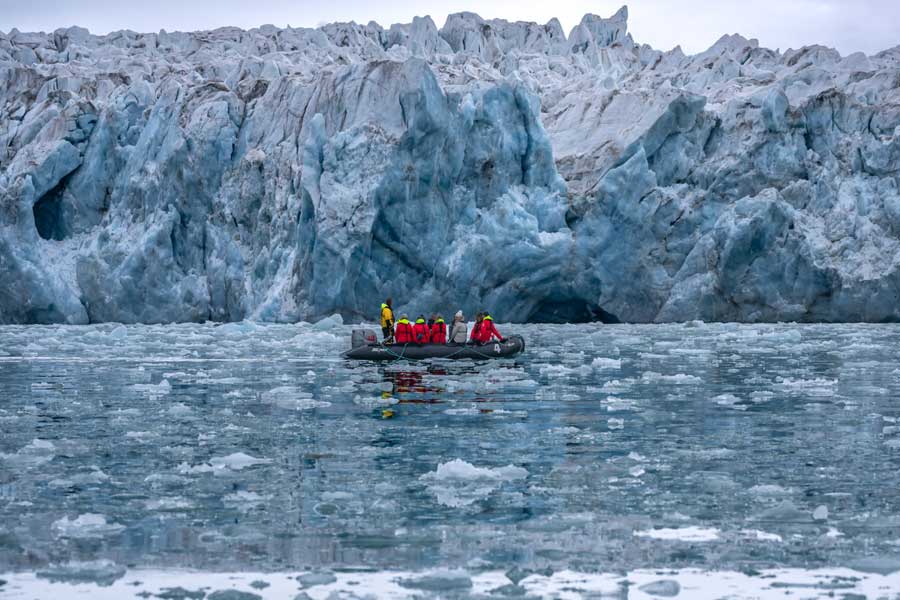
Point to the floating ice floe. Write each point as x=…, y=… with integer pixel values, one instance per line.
x=813, y=387
x=88, y=525
x=34, y=454
x=168, y=504
x=233, y=462
x=154, y=391
x=763, y=536
x=458, y=483
x=293, y=398
x=681, y=534
x=604, y=364
x=180, y=410
x=100, y=572
x=678, y=378
x=769, y=489
x=820, y=513
x=617, y=385
x=92, y=477
x=729, y=400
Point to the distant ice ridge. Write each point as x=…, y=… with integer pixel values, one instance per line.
x=287, y=174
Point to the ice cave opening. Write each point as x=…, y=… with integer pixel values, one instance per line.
x=48, y=214
x=554, y=310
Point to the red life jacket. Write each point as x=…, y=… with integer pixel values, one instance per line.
x=439, y=332
x=488, y=330
x=420, y=332
x=403, y=332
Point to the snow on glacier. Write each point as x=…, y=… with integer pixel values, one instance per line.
x=287, y=174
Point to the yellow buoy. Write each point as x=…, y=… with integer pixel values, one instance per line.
x=387, y=413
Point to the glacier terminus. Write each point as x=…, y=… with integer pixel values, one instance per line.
x=288, y=174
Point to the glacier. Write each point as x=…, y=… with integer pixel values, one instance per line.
x=288, y=174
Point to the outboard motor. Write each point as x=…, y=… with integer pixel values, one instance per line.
x=362, y=337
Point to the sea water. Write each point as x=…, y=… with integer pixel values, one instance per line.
x=249, y=460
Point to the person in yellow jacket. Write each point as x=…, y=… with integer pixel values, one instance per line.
x=387, y=321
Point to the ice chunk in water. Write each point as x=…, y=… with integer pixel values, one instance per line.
x=293, y=398
x=238, y=461
x=768, y=489
x=118, y=333
x=222, y=464
x=101, y=572
x=460, y=470
x=762, y=536
x=95, y=476
x=233, y=595
x=439, y=581
x=168, y=504
x=812, y=387
x=664, y=587
x=469, y=410
x=458, y=483
x=726, y=399
x=821, y=513
x=88, y=525
x=316, y=578
x=681, y=534
x=332, y=322
x=154, y=391
x=601, y=363
x=617, y=385
x=614, y=404
x=180, y=410
x=678, y=378
x=785, y=512
x=34, y=454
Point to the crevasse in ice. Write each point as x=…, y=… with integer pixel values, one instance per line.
x=285, y=174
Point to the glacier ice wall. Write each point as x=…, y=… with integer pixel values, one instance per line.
x=285, y=174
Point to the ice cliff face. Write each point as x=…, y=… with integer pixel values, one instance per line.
x=285, y=174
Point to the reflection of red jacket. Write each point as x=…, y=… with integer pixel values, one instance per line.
x=403, y=332
x=439, y=333
x=488, y=330
x=420, y=332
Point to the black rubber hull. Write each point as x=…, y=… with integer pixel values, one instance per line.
x=512, y=346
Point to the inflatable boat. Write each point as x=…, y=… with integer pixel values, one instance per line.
x=366, y=348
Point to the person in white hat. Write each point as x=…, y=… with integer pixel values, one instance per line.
x=458, y=331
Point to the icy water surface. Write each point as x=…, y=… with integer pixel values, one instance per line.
x=605, y=459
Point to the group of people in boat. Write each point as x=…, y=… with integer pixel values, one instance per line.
x=434, y=330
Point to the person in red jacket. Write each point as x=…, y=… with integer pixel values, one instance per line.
x=439, y=331
x=476, y=336
x=403, y=331
x=421, y=335
x=488, y=330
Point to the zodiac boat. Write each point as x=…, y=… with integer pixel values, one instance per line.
x=365, y=347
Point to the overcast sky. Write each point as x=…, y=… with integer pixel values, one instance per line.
x=848, y=25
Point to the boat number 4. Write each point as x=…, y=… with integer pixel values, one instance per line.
x=497, y=348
